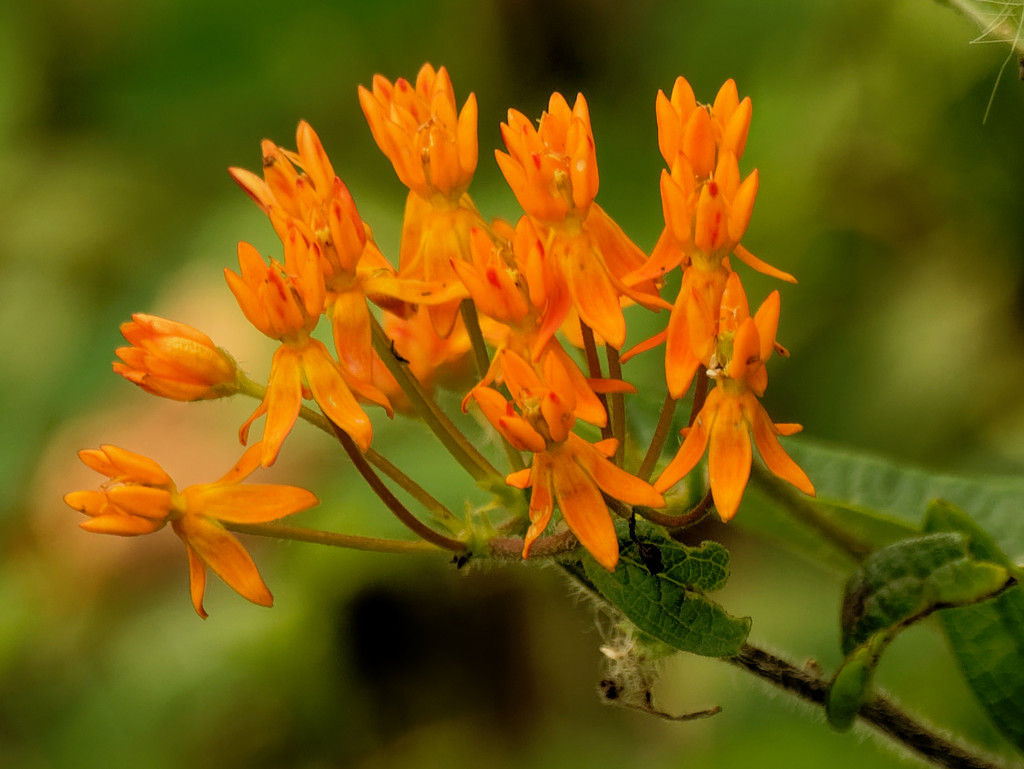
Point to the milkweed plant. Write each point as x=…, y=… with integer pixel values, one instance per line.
x=527, y=321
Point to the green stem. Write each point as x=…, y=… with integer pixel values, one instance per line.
x=417, y=492
x=457, y=444
x=349, y=541
x=878, y=711
x=700, y=395
x=618, y=405
x=476, y=337
x=483, y=366
x=810, y=514
x=440, y=513
x=668, y=411
x=594, y=370
x=392, y=502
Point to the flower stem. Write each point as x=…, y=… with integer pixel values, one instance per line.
x=668, y=411
x=392, y=502
x=483, y=365
x=457, y=444
x=700, y=395
x=618, y=405
x=545, y=547
x=476, y=337
x=441, y=513
x=594, y=369
x=352, y=542
x=877, y=711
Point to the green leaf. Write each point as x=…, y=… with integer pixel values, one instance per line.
x=891, y=492
x=670, y=605
x=906, y=581
x=852, y=680
x=988, y=638
x=895, y=587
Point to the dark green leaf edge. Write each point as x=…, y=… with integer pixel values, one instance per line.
x=988, y=638
x=990, y=577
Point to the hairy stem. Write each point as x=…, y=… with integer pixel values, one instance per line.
x=879, y=712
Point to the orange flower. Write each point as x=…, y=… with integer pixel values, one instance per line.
x=565, y=468
x=433, y=149
x=140, y=498
x=434, y=152
x=552, y=169
x=284, y=302
x=697, y=131
x=732, y=411
x=174, y=360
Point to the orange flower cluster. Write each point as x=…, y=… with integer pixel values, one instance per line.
x=520, y=297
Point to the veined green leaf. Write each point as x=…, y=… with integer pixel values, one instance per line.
x=895, y=587
x=906, y=581
x=988, y=638
x=670, y=604
x=885, y=490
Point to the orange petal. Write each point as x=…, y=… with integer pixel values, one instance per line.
x=742, y=207
x=613, y=480
x=699, y=142
x=521, y=479
x=121, y=525
x=122, y=465
x=196, y=580
x=771, y=451
x=283, y=400
x=542, y=503
x=729, y=456
x=767, y=321
x=692, y=450
x=221, y=552
x=333, y=395
x=144, y=501
x=584, y=511
x=593, y=295
x=248, y=503
x=763, y=267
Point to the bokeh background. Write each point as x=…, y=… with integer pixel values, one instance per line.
x=881, y=190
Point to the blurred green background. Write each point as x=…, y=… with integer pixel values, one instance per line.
x=880, y=189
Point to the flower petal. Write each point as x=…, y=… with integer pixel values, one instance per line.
x=613, y=480
x=334, y=396
x=584, y=511
x=225, y=555
x=774, y=456
x=542, y=504
x=692, y=450
x=283, y=400
x=248, y=503
x=729, y=456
